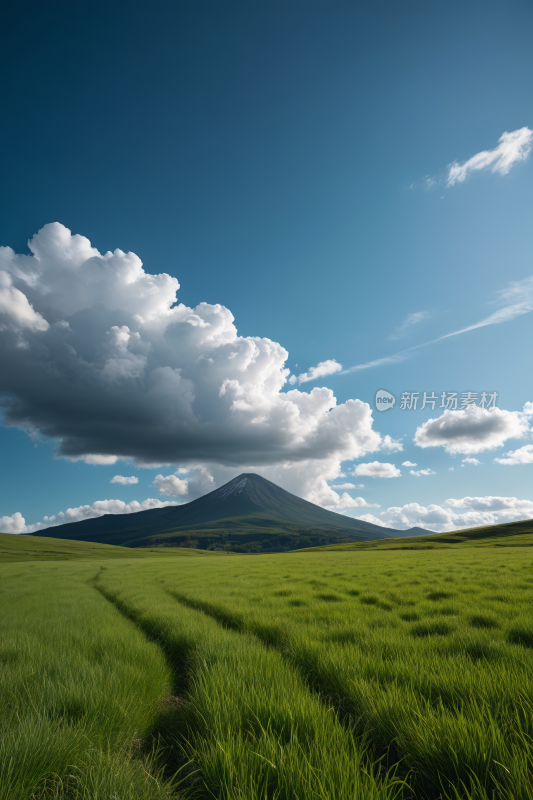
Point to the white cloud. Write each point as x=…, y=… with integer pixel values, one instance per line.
x=390, y=445
x=118, y=369
x=473, y=461
x=519, y=299
x=172, y=485
x=490, y=503
x=468, y=512
x=199, y=482
x=420, y=472
x=377, y=469
x=13, y=524
x=320, y=371
x=374, y=520
x=408, y=464
x=17, y=524
x=408, y=323
x=524, y=455
x=16, y=312
x=124, y=480
x=472, y=430
x=97, y=459
x=345, y=501
x=343, y=486
x=512, y=147
x=379, y=362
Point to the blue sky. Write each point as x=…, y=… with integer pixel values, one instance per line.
x=290, y=162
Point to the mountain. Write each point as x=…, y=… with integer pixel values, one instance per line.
x=245, y=512
x=417, y=532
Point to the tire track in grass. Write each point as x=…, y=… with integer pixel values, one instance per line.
x=253, y=728
x=274, y=636
x=324, y=686
x=178, y=654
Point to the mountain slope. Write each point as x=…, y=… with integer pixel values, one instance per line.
x=248, y=504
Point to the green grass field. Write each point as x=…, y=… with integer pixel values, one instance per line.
x=510, y=534
x=330, y=674
x=30, y=548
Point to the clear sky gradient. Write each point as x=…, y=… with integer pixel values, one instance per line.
x=290, y=161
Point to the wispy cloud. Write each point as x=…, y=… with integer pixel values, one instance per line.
x=512, y=147
x=522, y=291
x=519, y=291
x=409, y=322
x=379, y=362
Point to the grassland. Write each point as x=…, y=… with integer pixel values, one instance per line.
x=509, y=534
x=30, y=548
x=351, y=674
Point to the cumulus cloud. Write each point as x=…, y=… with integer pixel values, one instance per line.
x=454, y=514
x=473, y=429
x=420, y=472
x=408, y=464
x=390, y=445
x=171, y=485
x=102, y=358
x=16, y=313
x=410, y=321
x=96, y=459
x=490, y=503
x=512, y=148
x=17, y=524
x=13, y=524
x=524, y=455
x=124, y=480
x=377, y=469
x=320, y=371
x=346, y=501
x=374, y=520
x=473, y=461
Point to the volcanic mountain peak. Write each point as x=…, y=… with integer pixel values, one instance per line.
x=237, y=485
x=248, y=504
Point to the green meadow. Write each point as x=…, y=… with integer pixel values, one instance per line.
x=44, y=548
x=354, y=674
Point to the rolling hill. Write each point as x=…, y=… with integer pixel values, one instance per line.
x=507, y=534
x=247, y=514
x=23, y=547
